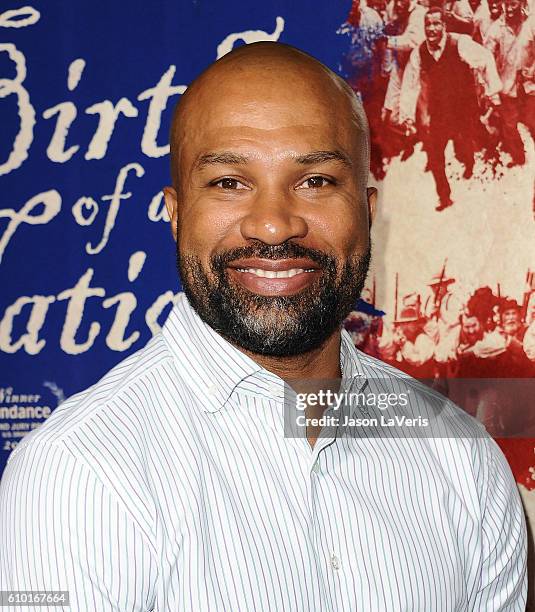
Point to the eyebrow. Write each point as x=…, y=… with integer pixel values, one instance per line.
x=224, y=157
x=237, y=159
x=319, y=157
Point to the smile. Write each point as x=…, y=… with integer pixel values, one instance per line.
x=274, y=277
x=275, y=273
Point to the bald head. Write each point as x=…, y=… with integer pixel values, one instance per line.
x=269, y=206
x=276, y=82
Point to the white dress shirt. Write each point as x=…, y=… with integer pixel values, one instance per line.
x=169, y=486
x=513, y=51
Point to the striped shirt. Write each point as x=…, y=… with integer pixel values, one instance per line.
x=169, y=485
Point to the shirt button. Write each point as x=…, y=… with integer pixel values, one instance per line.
x=335, y=562
x=211, y=390
x=316, y=467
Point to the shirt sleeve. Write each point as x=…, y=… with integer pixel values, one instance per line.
x=462, y=11
x=410, y=87
x=503, y=579
x=61, y=529
x=492, y=39
x=482, y=61
x=413, y=35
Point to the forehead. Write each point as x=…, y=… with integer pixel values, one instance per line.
x=508, y=312
x=269, y=111
x=470, y=319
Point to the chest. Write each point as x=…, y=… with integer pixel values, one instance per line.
x=253, y=521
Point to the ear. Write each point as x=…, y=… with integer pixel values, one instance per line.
x=171, y=204
x=371, y=193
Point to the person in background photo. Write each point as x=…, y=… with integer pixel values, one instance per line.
x=511, y=39
x=443, y=63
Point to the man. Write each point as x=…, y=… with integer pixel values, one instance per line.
x=170, y=485
x=404, y=29
x=460, y=339
x=447, y=63
x=511, y=320
x=502, y=348
x=511, y=39
x=486, y=20
x=465, y=16
x=364, y=27
x=442, y=306
x=409, y=347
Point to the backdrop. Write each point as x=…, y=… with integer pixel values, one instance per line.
x=87, y=262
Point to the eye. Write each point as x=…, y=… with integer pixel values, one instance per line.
x=228, y=183
x=315, y=182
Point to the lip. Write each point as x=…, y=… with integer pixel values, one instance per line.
x=274, y=286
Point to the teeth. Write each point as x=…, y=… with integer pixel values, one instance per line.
x=273, y=273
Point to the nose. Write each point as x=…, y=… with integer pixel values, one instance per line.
x=273, y=219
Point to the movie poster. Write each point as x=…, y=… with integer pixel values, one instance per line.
x=87, y=261
x=449, y=91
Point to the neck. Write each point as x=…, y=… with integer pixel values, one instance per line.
x=436, y=44
x=320, y=363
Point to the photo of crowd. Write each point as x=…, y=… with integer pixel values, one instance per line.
x=454, y=78
x=485, y=344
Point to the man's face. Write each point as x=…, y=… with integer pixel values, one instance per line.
x=472, y=329
x=411, y=329
x=513, y=9
x=271, y=215
x=511, y=321
x=495, y=8
x=434, y=28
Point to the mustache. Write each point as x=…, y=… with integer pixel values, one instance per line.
x=285, y=250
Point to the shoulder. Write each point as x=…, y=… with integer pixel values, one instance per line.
x=446, y=419
x=458, y=441
x=419, y=11
x=468, y=44
x=121, y=390
x=103, y=435
x=370, y=18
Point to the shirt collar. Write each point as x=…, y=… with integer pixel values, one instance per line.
x=213, y=367
x=350, y=361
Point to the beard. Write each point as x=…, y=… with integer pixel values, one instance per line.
x=278, y=326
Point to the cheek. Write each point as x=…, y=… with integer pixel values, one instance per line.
x=202, y=230
x=347, y=233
